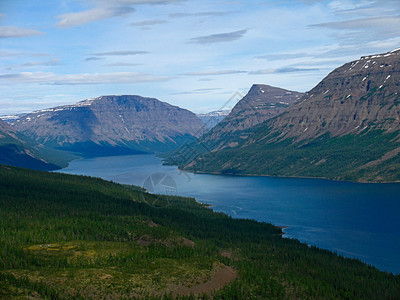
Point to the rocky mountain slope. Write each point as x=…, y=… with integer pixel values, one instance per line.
x=111, y=125
x=261, y=103
x=347, y=127
x=17, y=150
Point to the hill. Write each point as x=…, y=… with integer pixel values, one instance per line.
x=75, y=237
x=111, y=125
x=345, y=128
x=18, y=150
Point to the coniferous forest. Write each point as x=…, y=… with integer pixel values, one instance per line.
x=76, y=237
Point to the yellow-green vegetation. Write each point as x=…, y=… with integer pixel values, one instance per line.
x=76, y=237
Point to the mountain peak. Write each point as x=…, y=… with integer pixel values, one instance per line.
x=261, y=103
x=346, y=127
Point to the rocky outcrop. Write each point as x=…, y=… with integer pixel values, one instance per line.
x=112, y=125
x=359, y=96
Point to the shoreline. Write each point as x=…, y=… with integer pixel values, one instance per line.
x=286, y=176
x=212, y=205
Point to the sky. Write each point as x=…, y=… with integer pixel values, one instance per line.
x=199, y=55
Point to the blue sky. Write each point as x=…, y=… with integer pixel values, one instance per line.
x=194, y=54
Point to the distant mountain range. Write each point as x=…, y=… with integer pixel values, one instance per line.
x=111, y=125
x=212, y=118
x=346, y=128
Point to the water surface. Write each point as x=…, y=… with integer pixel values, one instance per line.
x=353, y=219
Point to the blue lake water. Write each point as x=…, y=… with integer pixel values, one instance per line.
x=353, y=219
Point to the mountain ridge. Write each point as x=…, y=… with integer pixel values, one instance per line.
x=261, y=103
x=345, y=128
x=124, y=124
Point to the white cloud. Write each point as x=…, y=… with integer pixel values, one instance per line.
x=121, y=64
x=51, y=62
x=284, y=56
x=282, y=71
x=13, y=31
x=214, y=73
x=219, y=37
x=93, y=58
x=133, y=2
x=148, y=23
x=198, y=91
x=200, y=14
x=388, y=22
x=105, y=9
x=364, y=30
x=12, y=54
x=75, y=79
x=120, y=53
x=91, y=15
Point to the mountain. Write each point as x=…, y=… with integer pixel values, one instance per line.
x=111, y=125
x=261, y=103
x=346, y=128
x=17, y=150
x=211, y=119
x=12, y=118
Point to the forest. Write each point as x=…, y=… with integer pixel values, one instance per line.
x=76, y=237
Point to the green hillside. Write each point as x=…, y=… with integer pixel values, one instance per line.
x=21, y=151
x=347, y=127
x=75, y=237
x=336, y=158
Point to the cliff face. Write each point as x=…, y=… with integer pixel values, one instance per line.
x=115, y=124
x=347, y=127
x=357, y=97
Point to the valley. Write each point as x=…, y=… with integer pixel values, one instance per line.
x=93, y=239
x=288, y=195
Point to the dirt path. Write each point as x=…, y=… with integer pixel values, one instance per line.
x=220, y=276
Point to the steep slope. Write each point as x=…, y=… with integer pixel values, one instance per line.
x=112, y=125
x=17, y=150
x=347, y=127
x=261, y=103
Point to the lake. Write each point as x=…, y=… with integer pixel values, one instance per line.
x=352, y=219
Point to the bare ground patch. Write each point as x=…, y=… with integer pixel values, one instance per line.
x=221, y=275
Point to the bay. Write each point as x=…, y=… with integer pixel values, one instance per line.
x=353, y=219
